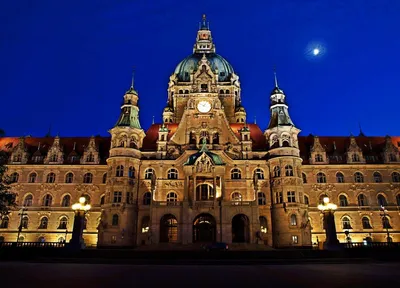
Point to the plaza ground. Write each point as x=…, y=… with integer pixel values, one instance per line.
x=24, y=274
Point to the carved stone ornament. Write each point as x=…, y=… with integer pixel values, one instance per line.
x=317, y=147
x=173, y=184
x=90, y=189
x=49, y=187
x=323, y=187
x=203, y=164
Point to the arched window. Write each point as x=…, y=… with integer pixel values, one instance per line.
x=382, y=200
x=102, y=199
x=362, y=200
x=358, y=177
x=146, y=198
x=28, y=201
x=90, y=157
x=398, y=199
x=289, y=170
x=236, y=173
x=260, y=173
x=304, y=177
x=319, y=158
x=355, y=158
x=41, y=239
x=339, y=177
x=204, y=192
x=25, y=222
x=346, y=223
x=63, y=223
x=88, y=178
x=293, y=220
x=306, y=200
x=47, y=199
x=115, y=219
x=148, y=174
x=386, y=223
x=343, y=201
x=43, y=223
x=236, y=197
x=69, y=178
x=321, y=178
x=172, y=197
x=377, y=177
x=172, y=173
x=119, y=171
x=4, y=222
x=32, y=177
x=51, y=178
x=104, y=178
x=131, y=172
x=277, y=171
x=66, y=201
x=263, y=224
x=14, y=177
x=365, y=223
x=262, y=200
x=395, y=177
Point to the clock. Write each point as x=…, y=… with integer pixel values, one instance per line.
x=204, y=106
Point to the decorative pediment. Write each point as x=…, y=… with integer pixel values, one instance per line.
x=91, y=154
x=19, y=154
x=55, y=154
x=353, y=147
x=317, y=147
x=203, y=164
x=390, y=151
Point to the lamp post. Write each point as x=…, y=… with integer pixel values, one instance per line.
x=328, y=209
x=22, y=214
x=80, y=210
x=385, y=221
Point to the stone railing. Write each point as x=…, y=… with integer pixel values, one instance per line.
x=32, y=245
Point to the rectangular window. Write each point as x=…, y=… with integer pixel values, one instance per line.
x=295, y=239
x=117, y=197
x=291, y=197
x=279, y=197
x=128, y=197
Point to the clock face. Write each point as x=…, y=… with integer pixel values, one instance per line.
x=204, y=106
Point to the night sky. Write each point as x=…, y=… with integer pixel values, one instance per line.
x=68, y=63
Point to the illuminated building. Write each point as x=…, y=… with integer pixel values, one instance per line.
x=205, y=174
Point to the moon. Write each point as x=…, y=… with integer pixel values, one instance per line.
x=316, y=51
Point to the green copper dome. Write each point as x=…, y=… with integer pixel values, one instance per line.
x=190, y=64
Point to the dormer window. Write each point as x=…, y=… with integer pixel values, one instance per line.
x=90, y=158
x=17, y=158
x=37, y=159
x=318, y=158
x=355, y=158
x=53, y=158
x=204, y=87
x=392, y=157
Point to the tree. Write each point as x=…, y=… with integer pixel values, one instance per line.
x=2, y=133
x=7, y=197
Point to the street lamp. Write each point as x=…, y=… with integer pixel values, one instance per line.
x=385, y=222
x=328, y=210
x=80, y=210
x=22, y=214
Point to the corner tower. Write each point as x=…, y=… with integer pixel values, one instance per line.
x=289, y=214
x=118, y=218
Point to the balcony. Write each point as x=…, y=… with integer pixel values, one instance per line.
x=167, y=203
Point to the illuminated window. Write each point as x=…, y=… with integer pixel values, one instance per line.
x=172, y=197
x=263, y=224
x=90, y=158
x=236, y=196
x=204, y=192
x=145, y=224
x=279, y=197
x=362, y=200
x=63, y=223
x=346, y=223
x=260, y=173
x=295, y=239
x=51, y=178
x=277, y=171
x=148, y=174
x=293, y=220
x=119, y=171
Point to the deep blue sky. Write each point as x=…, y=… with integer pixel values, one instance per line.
x=68, y=63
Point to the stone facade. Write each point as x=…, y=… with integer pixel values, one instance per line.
x=204, y=174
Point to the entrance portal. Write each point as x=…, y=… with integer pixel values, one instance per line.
x=240, y=229
x=204, y=228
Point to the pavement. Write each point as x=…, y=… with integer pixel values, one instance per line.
x=23, y=274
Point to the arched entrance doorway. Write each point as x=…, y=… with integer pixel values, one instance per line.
x=240, y=229
x=168, y=228
x=204, y=228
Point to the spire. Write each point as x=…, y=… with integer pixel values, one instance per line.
x=132, y=88
x=48, y=134
x=361, y=132
x=276, y=79
x=204, y=42
x=255, y=119
x=152, y=122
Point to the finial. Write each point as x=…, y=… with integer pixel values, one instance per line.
x=204, y=17
x=74, y=146
x=276, y=79
x=204, y=24
x=133, y=78
x=152, y=121
x=361, y=132
x=255, y=119
x=49, y=132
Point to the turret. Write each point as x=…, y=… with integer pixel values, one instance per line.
x=289, y=214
